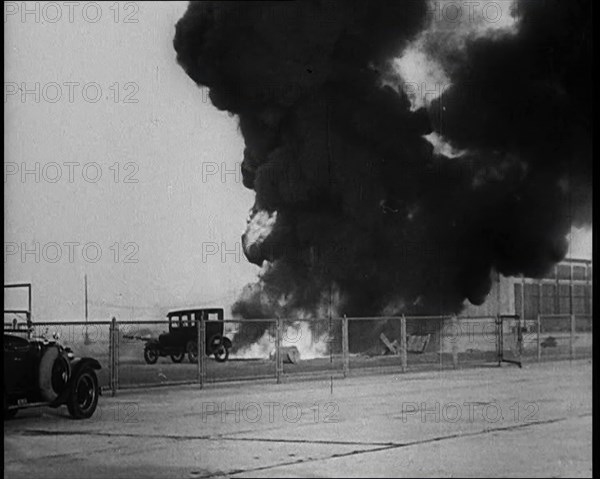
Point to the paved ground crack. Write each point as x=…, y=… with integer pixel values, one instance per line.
x=401, y=445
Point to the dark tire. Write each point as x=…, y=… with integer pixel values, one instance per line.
x=192, y=351
x=177, y=358
x=221, y=354
x=83, y=396
x=8, y=413
x=151, y=355
x=218, y=348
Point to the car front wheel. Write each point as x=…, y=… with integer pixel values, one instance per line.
x=83, y=397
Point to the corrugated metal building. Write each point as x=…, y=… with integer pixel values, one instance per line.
x=566, y=290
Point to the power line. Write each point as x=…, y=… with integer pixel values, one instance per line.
x=156, y=307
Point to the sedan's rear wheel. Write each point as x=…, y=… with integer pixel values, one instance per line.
x=221, y=354
x=218, y=347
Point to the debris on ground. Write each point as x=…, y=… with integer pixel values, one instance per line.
x=289, y=354
x=416, y=343
x=393, y=347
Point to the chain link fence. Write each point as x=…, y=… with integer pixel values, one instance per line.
x=91, y=339
x=563, y=337
x=252, y=355
x=312, y=348
x=286, y=349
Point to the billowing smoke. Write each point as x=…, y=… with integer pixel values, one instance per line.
x=351, y=196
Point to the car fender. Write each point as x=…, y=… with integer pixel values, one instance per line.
x=79, y=363
x=227, y=342
x=152, y=343
x=76, y=365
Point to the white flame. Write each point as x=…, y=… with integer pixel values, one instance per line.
x=310, y=344
x=262, y=349
x=259, y=226
x=419, y=74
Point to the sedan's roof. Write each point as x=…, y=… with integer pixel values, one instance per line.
x=195, y=310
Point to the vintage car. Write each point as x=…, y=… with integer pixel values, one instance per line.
x=42, y=372
x=182, y=337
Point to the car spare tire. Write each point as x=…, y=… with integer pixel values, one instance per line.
x=54, y=373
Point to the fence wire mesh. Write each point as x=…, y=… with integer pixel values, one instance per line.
x=139, y=363
x=375, y=344
x=471, y=339
x=252, y=355
x=317, y=343
x=281, y=349
x=86, y=340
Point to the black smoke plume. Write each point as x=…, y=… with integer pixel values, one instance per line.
x=363, y=205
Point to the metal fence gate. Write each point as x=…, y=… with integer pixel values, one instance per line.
x=509, y=339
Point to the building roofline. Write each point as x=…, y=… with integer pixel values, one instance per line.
x=576, y=260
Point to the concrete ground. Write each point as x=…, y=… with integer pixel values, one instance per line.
x=535, y=421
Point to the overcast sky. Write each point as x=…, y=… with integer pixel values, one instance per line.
x=103, y=94
x=165, y=141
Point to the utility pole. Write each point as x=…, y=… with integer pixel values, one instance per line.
x=87, y=337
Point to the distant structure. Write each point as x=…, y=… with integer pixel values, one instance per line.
x=567, y=289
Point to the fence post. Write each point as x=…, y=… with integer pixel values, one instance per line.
x=117, y=355
x=403, y=348
x=440, y=348
x=201, y=348
x=111, y=353
x=198, y=341
x=455, y=341
x=112, y=356
x=572, y=337
x=278, y=358
x=346, y=361
x=539, y=334
x=499, y=340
